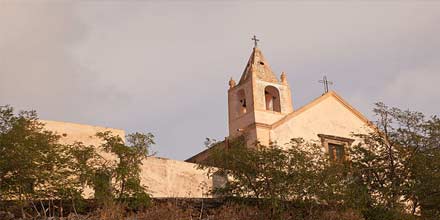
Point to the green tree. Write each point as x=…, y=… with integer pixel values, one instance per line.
x=273, y=175
x=33, y=165
x=125, y=174
x=423, y=187
x=396, y=165
x=399, y=163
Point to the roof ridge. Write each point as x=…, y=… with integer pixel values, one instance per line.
x=318, y=100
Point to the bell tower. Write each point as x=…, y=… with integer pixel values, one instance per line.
x=258, y=100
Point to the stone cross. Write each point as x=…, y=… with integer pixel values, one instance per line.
x=325, y=82
x=255, y=41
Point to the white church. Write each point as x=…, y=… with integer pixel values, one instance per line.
x=260, y=108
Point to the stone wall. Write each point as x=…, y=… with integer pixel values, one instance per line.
x=163, y=177
x=172, y=178
x=72, y=132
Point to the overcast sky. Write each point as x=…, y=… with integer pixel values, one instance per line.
x=164, y=67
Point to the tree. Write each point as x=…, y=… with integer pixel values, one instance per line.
x=391, y=169
x=399, y=163
x=33, y=165
x=273, y=175
x=126, y=172
x=423, y=187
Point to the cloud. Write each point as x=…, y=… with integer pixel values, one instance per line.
x=38, y=69
x=164, y=67
x=416, y=89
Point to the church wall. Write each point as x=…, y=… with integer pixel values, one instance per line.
x=73, y=132
x=286, y=98
x=263, y=134
x=259, y=96
x=268, y=117
x=163, y=177
x=251, y=136
x=238, y=119
x=284, y=92
x=79, y=132
x=172, y=178
x=328, y=117
x=240, y=123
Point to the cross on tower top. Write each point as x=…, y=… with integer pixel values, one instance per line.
x=255, y=41
x=325, y=82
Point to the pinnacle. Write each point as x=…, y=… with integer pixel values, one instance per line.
x=258, y=67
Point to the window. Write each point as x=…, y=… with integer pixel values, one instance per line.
x=336, y=152
x=242, y=99
x=272, y=98
x=336, y=146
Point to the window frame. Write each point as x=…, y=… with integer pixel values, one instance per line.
x=336, y=140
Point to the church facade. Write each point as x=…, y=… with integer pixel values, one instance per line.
x=260, y=109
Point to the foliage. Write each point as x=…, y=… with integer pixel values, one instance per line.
x=125, y=174
x=391, y=171
x=33, y=165
x=400, y=163
x=36, y=169
x=299, y=172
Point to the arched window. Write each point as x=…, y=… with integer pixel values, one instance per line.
x=272, y=97
x=242, y=105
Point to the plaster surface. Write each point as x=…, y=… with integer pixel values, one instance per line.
x=172, y=178
x=328, y=116
x=163, y=177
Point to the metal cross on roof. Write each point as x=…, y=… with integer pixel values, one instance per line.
x=255, y=41
x=325, y=82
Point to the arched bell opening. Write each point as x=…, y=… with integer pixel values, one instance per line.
x=242, y=107
x=272, y=97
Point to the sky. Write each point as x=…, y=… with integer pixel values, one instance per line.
x=163, y=67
